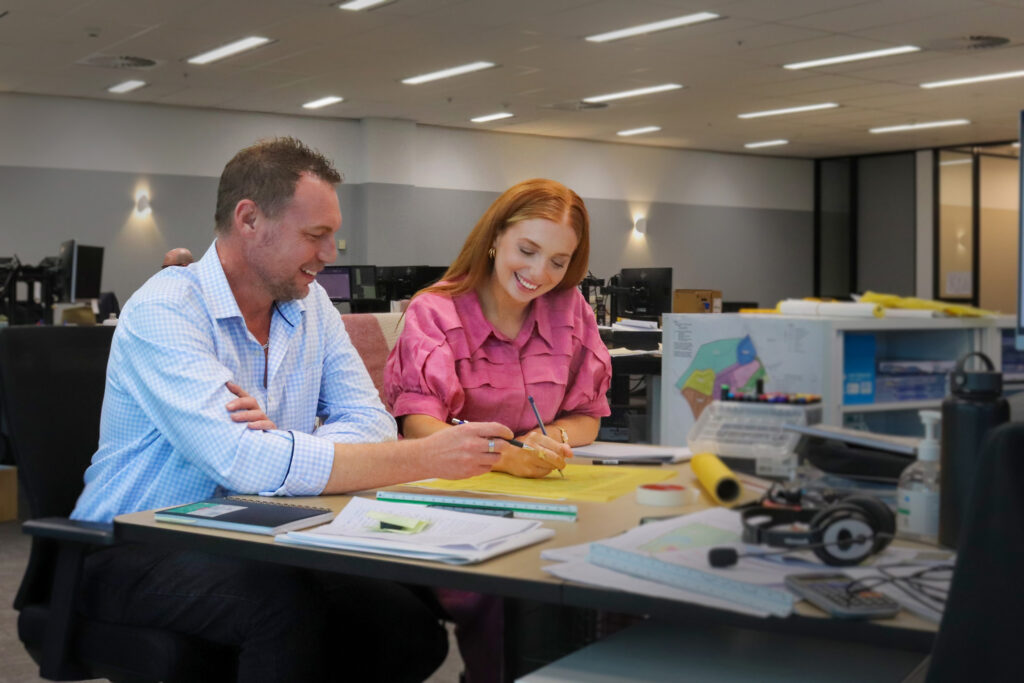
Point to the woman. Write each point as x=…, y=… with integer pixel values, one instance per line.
x=507, y=322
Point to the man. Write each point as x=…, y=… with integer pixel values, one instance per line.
x=217, y=374
x=179, y=256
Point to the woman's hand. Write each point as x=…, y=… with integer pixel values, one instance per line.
x=245, y=408
x=546, y=455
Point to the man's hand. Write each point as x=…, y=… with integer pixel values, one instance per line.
x=527, y=463
x=247, y=409
x=460, y=452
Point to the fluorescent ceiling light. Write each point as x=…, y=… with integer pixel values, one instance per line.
x=356, y=5
x=919, y=126
x=126, y=86
x=766, y=143
x=448, y=73
x=229, y=49
x=493, y=117
x=323, y=102
x=788, y=110
x=857, y=56
x=973, y=79
x=633, y=93
x=955, y=162
x=653, y=27
x=639, y=131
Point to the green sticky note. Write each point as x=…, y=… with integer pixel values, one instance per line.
x=397, y=524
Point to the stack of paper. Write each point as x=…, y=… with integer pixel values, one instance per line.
x=628, y=451
x=451, y=537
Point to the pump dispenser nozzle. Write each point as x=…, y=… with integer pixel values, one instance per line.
x=928, y=449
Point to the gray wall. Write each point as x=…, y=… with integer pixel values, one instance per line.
x=886, y=224
x=750, y=254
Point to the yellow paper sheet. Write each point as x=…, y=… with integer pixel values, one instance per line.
x=582, y=482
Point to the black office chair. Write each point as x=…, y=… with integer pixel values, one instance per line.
x=978, y=639
x=51, y=390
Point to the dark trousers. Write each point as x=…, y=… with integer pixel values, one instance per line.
x=287, y=624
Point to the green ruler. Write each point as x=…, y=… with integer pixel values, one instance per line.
x=523, y=510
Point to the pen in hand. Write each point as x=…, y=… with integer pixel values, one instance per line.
x=540, y=423
x=515, y=442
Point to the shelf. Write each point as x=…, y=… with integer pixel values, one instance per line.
x=892, y=405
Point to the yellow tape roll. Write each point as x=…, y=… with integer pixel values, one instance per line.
x=717, y=479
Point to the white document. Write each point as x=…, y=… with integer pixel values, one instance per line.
x=628, y=451
x=453, y=537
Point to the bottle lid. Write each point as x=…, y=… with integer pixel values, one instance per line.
x=976, y=383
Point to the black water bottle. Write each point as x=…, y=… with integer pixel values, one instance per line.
x=969, y=413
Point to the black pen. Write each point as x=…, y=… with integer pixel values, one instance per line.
x=626, y=462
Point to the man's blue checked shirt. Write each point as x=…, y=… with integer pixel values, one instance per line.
x=166, y=437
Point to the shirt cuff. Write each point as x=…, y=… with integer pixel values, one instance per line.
x=419, y=404
x=310, y=468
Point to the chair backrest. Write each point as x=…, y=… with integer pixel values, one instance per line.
x=978, y=639
x=52, y=381
x=374, y=335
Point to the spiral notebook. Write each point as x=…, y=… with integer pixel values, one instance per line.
x=268, y=517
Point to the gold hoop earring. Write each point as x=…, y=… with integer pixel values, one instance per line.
x=490, y=253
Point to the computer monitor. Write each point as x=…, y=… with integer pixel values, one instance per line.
x=336, y=282
x=643, y=293
x=395, y=283
x=79, y=271
x=363, y=280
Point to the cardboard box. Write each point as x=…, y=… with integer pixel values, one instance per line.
x=697, y=301
x=8, y=493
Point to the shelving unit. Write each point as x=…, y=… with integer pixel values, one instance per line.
x=808, y=354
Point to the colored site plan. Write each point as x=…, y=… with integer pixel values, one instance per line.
x=732, y=362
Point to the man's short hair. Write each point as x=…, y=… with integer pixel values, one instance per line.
x=267, y=173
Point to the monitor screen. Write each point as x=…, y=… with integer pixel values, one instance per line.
x=335, y=281
x=79, y=271
x=395, y=283
x=645, y=294
x=364, y=282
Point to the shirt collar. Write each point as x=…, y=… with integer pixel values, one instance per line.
x=222, y=300
x=479, y=328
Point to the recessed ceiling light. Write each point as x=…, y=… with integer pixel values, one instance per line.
x=653, y=27
x=766, y=143
x=1017, y=145
x=448, y=73
x=973, y=79
x=633, y=93
x=356, y=5
x=856, y=56
x=788, y=110
x=639, y=131
x=323, y=102
x=126, y=86
x=229, y=49
x=493, y=117
x=919, y=126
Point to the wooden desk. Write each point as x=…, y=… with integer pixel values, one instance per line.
x=519, y=574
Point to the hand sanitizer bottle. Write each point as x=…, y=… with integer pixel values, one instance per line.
x=917, y=496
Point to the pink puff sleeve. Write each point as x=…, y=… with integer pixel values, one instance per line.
x=591, y=370
x=419, y=377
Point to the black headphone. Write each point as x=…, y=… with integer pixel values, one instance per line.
x=843, y=534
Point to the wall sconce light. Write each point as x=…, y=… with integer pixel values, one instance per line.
x=640, y=225
x=142, y=205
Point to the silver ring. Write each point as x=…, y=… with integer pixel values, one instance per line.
x=490, y=446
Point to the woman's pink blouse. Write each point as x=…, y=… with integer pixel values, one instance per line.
x=450, y=362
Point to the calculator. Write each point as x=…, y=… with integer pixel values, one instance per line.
x=829, y=592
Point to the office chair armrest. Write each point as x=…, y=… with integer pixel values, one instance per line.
x=64, y=529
